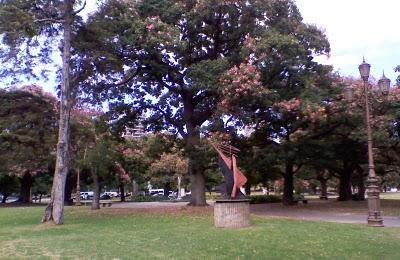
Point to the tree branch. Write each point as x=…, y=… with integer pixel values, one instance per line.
x=45, y=20
x=168, y=119
x=80, y=9
x=127, y=80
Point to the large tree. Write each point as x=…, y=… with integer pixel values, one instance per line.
x=168, y=57
x=30, y=31
x=27, y=134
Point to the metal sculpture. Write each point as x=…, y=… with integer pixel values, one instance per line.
x=234, y=178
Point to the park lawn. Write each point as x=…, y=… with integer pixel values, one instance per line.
x=390, y=195
x=184, y=234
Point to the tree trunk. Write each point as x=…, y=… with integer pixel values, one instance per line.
x=26, y=185
x=122, y=191
x=96, y=191
x=179, y=194
x=345, y=185
x=198, y=197
x=360, y=185
x=197, y=178
x=68, y=190
x=135, y=188
x=5, y=196
x=324, y=188
x=55, y=210
x=288, y=185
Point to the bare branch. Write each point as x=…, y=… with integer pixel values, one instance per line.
x=298, y=168
x=46, y=20
x=128, y=79
x=80, y=9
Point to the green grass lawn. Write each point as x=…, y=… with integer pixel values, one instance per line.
x=390, y=195
x=184, y=234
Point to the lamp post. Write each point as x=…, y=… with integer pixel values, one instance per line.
x=78, y=188
x=384, y=84
x=374, y=212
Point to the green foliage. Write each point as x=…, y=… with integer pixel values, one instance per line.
x=102, y=154
x=8, y=184
x=29, y=30
x=212, y=37
x=214, y=178
x=298, y=197
x=28, y=125
x=261, y=199
x=42, y=184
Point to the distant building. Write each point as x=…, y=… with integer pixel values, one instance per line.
x=136, y=132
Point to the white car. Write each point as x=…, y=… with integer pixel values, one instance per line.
x=112, y=194
x=160, y=194
x=86, y=195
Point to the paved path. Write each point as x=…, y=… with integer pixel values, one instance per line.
x=275, y=210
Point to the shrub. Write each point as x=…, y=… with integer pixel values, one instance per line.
x=298, y=197
x=142, y=198
x=212, y=196
x=260, y=199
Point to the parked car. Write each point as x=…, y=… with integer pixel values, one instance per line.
x=87, y=195
x=105, y=196
x=112, y=194
x=156, y=192
x=159, y=194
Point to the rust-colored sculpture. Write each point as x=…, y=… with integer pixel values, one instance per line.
x=234, y=178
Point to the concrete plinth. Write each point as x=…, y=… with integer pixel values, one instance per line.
x=232, y=213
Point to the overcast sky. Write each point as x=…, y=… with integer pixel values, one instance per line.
x=356, y=28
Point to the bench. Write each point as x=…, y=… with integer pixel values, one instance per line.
x=82, y=203
x=104, y=203
x=305, y=201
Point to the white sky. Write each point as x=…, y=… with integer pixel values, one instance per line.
x=357, y=28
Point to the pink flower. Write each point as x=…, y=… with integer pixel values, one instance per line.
x=150, y=27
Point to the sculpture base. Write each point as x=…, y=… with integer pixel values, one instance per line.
x=232, y=213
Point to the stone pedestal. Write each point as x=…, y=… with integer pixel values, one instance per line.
x=375, y=218
x=232, y=213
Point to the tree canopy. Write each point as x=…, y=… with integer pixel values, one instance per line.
x=169, y=59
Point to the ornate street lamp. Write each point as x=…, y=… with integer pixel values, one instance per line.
x=384, y=84
x=364, y=69
x=374, y=212
x=348, y=93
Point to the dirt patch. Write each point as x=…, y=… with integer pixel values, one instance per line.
x=15, y=249
x=175, y=211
